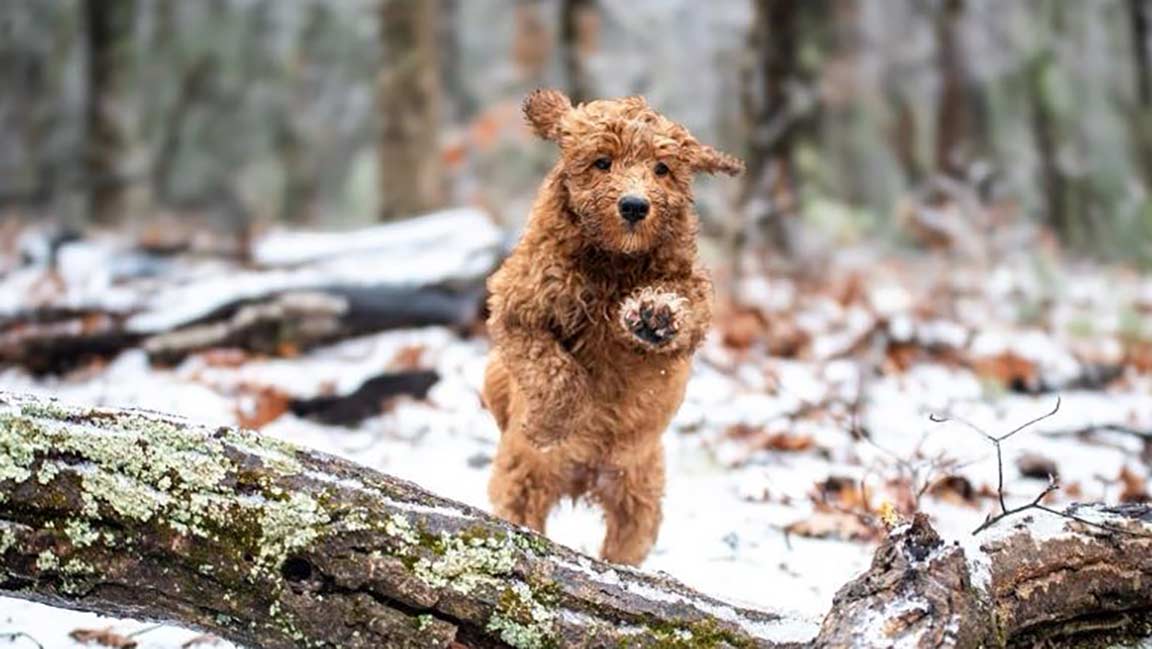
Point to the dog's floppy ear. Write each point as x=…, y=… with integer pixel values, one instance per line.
x=709, y=160
x=544, y=109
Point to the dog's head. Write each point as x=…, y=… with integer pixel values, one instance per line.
x=627, y=169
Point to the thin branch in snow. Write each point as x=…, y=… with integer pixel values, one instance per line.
x=1140, y=433
x=20, y=635
x=1036, y=503
x=996, y=442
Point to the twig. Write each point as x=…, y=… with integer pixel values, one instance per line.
x=1035, y=504
x=1103, y=428
x=1053, y=485
x=20, y=635
x=147, y=629
x=999, y=452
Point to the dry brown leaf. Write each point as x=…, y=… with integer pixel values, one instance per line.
x=1138, y=355
x=741, y=327
x=225, y=357
x=956, y=490
x=1009, y=369
x=786, y=339
x=103, y=637
x=786, y=442
x=842, y=492
x=408, y=357
x=1134, y=487
x=203, y=639
x=1073, y=490
x=760, y=439
x=267, y=405
x=832, y=525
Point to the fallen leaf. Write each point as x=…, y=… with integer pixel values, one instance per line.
x=1133, y=487
x=741, y=327
x=104, y=637
x=786, y=339
x=203, y=639
x=408, y=358
x=843, y=492
x=1010, y=370
x=787, y=442
x=833, y=525
x=264, y=405
x=1138, y=355
x=955, y=489
x=226, y=357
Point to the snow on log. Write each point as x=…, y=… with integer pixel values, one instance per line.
x=143, y=515
x=305, y=289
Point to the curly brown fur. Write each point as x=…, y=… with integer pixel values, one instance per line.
x=594, y=319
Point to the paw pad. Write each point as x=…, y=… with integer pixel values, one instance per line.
x=652, y=316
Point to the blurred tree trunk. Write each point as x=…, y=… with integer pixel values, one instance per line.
x=769, y=195
x=532, y=44
x=1140, y=14
x=959, y=128
x=409, y=95
x=1044, y=134
x=902, y=134
x=108, y=39
x=579, y=35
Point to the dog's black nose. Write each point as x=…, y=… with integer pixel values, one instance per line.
x=633, y=208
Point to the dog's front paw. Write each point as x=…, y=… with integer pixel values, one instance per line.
x=652, y=317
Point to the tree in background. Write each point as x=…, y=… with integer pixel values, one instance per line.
x=960, y=129
x=579, y=34
x=1140, y=17
x=769, y=197
x=108, y=40
x=408, y=92
x=531, y=43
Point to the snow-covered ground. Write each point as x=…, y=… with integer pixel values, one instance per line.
x=764, y=504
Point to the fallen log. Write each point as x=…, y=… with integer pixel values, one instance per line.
x=304, y=290
x=143, y=515
x=297, y=321
x=1043, y=581
x=367, y=400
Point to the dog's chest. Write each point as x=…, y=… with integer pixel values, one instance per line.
x=591, y=328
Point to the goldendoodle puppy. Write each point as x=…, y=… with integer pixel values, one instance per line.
x=595, y=315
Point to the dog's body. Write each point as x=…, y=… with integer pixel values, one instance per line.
x=594, y=318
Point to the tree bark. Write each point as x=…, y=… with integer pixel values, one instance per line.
x=139, y=514
x=1033, y=582
x=408, y=93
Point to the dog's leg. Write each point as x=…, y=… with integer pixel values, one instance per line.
x=631, y=497
x=523, y=487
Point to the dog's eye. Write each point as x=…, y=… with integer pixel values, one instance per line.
x=661, y=169
x=603, y=164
